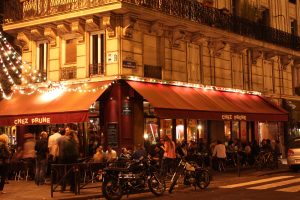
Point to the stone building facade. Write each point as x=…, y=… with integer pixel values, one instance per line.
x=248, y=45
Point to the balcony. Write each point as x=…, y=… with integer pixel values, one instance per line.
x=96, y=69
x=185, y=9
x=41, y=77
x=67, y=73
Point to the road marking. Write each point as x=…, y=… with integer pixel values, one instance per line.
x=277, y=184
x=256, y=182
x=295, y=188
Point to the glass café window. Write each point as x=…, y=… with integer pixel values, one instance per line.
x=151, y=130
x=227, y=130
x=194, y=130
x=165, y=127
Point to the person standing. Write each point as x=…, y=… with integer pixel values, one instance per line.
x=41, y=148
x=29, y=154
x=4, y=159
x=68, y=155
x=52, y=145
x=169, y=155
x=220, y=153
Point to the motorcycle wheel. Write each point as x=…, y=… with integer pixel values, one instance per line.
x=111, y=189
x=203, y=179
x=156, y=185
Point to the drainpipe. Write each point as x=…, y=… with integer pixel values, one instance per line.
x=231, y=68
x=201, y=64
x=187, y=63
x=212, y=66
x=273, y=77
x=250, y=84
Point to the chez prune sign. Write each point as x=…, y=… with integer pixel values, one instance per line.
x=234, y=117
x=32, y=120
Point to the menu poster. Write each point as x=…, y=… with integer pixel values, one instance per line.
x=112, y=134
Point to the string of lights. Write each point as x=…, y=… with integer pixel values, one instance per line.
x=31, y=80
x=192, y=85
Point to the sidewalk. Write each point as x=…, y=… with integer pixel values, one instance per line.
x=27, y=190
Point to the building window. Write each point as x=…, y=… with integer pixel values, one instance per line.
x=41, y=61
x=268, y=82
x=152, y=71
x=97, y=54
x=71, y=51
x=294, y=30
x=265, y=17
x=152, y=56
x=292, y=1
x=296, y=80
x=235, y=7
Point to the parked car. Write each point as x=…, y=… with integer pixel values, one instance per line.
x=293, y=159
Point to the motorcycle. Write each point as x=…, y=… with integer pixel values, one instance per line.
x=133, y=176
x=192, y=175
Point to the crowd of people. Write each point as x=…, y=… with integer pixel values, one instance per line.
x=36, y=154
x=62, y=147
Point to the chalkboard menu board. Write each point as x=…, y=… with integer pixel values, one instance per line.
x=112, y=134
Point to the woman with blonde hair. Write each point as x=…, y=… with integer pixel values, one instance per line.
x=4, y=159
x=169, y=154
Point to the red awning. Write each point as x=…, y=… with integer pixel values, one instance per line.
x=196, y=103
x=56, y=107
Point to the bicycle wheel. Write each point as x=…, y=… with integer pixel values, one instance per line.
x=203, y=179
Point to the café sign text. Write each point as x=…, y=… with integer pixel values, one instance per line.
x=35, y=120
x=234, y=117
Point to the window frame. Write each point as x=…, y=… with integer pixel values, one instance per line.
x=100, y=53
x=42, y=69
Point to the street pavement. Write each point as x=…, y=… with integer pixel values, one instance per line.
x=27, y=190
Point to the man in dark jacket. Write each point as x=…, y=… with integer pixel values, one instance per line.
x=41, y=148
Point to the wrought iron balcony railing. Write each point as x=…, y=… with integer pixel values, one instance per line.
x=96, y=69
x=68, y=73
x=186, y=9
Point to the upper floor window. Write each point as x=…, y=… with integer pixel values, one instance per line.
x=152, y=62
x=97, y=53
x=41, y=60
x=294, y=30
x=70, y=51
x=235, y=7
x=296, y=80
x=152, y=71
x=265, y=17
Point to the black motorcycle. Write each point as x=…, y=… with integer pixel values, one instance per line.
x=192, y=175
x=131, y=177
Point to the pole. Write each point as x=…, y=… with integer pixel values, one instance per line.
x=238, y=164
